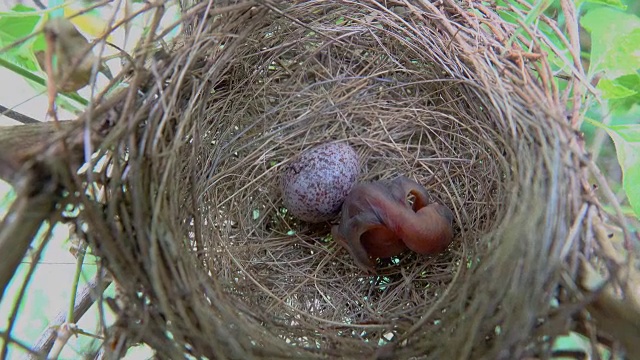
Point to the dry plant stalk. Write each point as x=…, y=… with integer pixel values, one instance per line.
x=193, y=227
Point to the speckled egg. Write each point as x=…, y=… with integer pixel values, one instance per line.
x=315, y=183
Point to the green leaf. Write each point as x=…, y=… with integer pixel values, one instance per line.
x=615, y=3
x=624, y=105
x=630, y=81
x=17, y=24
x=623, y=93
x=612, y=89
x=627, y=141
x=614, y=41
x=23, y=57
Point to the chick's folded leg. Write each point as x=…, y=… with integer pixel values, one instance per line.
x=402, y=186
x=431, y=231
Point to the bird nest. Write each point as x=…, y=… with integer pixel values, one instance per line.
x=209, y=262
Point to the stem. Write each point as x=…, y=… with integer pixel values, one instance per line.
x=86, y=297
x=18, y=301
x=17, y=231
x=74, y=286
x=17, y=116
x=38, y=80
x=595, y=123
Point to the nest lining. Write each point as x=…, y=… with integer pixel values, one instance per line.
x=412, y=98
x=400, y=121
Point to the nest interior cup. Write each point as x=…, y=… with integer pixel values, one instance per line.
x=416, y=90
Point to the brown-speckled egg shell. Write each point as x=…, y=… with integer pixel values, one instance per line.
x=315, y=184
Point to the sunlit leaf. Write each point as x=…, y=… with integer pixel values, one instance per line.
x=90, y=23
x=614, y=3
x=614, y=41
x=612, y=89
x=23, y=57
x=623, y=104
x=18, y=23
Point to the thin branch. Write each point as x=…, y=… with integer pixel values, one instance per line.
x=39, y=4
x=608, y=193
x=569, y=10
x=19, y=344
x=39, y=80
x=17, y=116
x=617, y=315
x=23, y=288
x=74, y=286
x=17, y=231
x=86, y=297
x=21, y=144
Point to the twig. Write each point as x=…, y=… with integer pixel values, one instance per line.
x=616, y=309
x=74, y=286
x=63, y=334
x=17, y=116
x=39, y=80
x=17, y=231
x=19, y=344
x=52, y=91
x=604, y=186
x=20, y=145
x=39, y=4
x=618, y=316
x=569, y=10
x=86, y=297
x=533, y=14
x=14, y=313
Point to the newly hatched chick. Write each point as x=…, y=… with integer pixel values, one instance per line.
x=378, y=222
